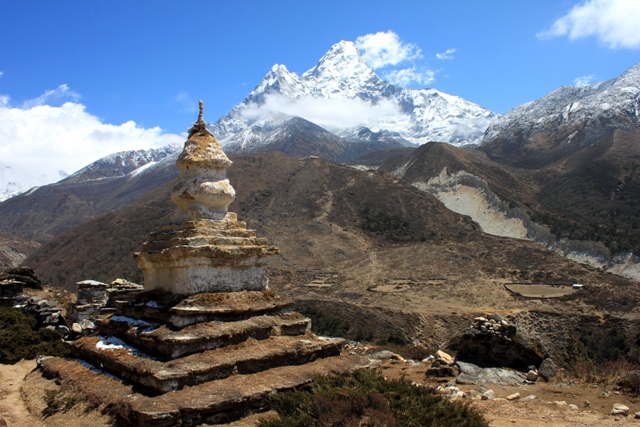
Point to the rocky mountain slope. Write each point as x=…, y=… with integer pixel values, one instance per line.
x=99, y=188
x=342, y=81
x=13, y=250
x=566, y=120
x=585, y=207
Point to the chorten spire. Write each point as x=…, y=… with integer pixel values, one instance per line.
x=200, y=125
x=203, y=190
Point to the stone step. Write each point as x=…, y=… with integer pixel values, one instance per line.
x=196, y=241
x=186, y=233
x=247, y=358
x=164, y=343
x=213, y=402
x=178, y=311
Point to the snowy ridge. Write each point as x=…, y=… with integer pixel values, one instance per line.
x=341, y=81
x=123, y=163
x=592, y=108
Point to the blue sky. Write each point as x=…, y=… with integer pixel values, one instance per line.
x=146, y=63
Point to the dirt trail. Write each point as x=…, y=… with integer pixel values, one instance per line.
x=13, y=412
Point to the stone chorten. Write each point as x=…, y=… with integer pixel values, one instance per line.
x=207, y=249
x=206, y=342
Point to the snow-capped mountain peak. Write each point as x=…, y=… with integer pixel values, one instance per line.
x=566, y=119
x=342, y=94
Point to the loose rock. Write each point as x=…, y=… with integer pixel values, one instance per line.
x=513, y=396
x=619, y=409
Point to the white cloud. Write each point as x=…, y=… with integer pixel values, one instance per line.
x=584, y=80
x=613, y=22
x=448, y=54
x=42, y=139
x=57, y=94
x=382, y=49
x=411, y=75
x=326, y=112
x=1, y=73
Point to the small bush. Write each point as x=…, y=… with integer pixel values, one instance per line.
x=58, y=401
x=365, y=398
x=19, y=340
x=325, y=324
x=391, y=227
x=630, y=382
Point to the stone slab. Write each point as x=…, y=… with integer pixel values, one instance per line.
x=179, y=311
x=165, y=343
x=246, y=358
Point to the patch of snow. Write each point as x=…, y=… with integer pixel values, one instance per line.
x=115, y=343
x=141, y=325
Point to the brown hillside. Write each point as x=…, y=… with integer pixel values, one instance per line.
x=311, y=209
x=592, y=195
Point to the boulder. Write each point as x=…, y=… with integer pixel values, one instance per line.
x=547, y=369
x=382, y=355
x=443, y=358
x=488, y=395
x=532, y=376
x=443, y=371
x=473, y=374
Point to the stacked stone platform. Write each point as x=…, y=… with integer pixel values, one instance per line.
x=211, y=371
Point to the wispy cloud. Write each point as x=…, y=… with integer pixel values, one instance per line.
x=60, y=93
x=42, y=139
x=613, y=22
x=448, y=54
x=1, y=73
x=408, y=76
x=326, y=112
x=385, y=48
x=584, y=80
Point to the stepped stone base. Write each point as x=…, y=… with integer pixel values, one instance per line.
x=185, y=360
x=249, y=357
x=212, y=402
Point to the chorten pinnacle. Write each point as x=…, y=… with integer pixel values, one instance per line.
x=203, y=190
x=200, y=125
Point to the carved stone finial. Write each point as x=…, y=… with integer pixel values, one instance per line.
x=200, y=125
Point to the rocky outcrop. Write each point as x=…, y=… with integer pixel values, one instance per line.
x=492, y=341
